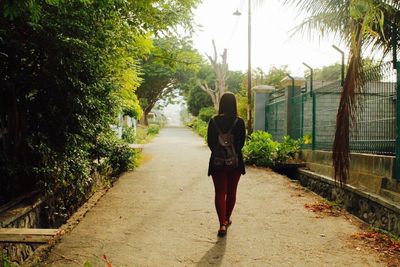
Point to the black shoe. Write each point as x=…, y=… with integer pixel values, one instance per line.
x=222, y=230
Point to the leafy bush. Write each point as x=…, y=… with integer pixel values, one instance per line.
x=199, y=126
x=205, y=114
x=288, y=149
x=70, y=177
x=116, y=152
x=153, y=129
x=4, y=261
x=262, y=150
x=122, y=158
x=128, y=134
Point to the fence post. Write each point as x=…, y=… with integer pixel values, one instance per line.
x=261, y=101
x=397, y=174
x=302, y=117
x=288, y=97
x=313, y=120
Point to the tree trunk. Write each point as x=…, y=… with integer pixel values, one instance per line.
x=146, y=112
x=145, y=120
x=347, y=109
x=221, y=75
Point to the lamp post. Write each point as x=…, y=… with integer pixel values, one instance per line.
x=314, y=111
x=291, y=78
x=341, y=66
x=237, y=13
x=311, y=77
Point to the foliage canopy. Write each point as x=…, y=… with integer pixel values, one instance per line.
x=67, y=69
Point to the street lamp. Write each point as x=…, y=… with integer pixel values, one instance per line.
x=237, y=13
x=311, y=77
x=291, y=78
x=341, y=66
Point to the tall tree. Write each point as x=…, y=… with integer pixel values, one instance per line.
x=197, y=99
x=359, y=23
x=68, y=61
x=168, y=67
x=275, y=75
x=221, y=75
x=235, y=81
x=328, y=73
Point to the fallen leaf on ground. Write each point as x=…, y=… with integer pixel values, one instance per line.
x=322, y=207
x=383, y=244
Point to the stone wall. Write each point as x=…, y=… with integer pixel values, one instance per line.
x=33, y=211
x=367, y=171
x=24, y=214
x=371, y=208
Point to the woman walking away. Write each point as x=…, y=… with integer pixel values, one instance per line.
x=226, y=136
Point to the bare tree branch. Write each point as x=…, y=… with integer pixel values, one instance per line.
x=221, y=75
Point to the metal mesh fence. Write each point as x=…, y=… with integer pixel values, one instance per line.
x=327, y=102
x=300, y=115
x=275, y=115
x=374, y=130
x=375, y=127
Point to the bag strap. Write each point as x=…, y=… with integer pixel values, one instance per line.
x=216, y=126
x=230, y=129
x=233, y=126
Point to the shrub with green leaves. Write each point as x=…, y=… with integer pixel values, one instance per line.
x=205, y=114
x=122, y=158
x=4, y=261
x=199, y=126
x=288, y=149
x=261, y=150
x=128, y=134
x=117, y=153
x=153, y=129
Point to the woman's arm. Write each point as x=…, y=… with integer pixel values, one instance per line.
x=212, y=138
x=242, y=133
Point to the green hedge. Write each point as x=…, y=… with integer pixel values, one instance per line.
x=153, y=129
x=129, y=134
x=260, y=149
x=199, y=126
x=205, y=114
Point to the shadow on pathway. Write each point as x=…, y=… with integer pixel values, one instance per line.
x=215, y=255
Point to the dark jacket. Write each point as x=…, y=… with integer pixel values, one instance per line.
x=239, y=131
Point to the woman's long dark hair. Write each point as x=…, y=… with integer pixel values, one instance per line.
x=227, y=105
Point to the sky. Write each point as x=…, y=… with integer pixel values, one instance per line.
x=272, y=40
x=273, y=43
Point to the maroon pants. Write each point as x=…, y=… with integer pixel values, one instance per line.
x=225, y=184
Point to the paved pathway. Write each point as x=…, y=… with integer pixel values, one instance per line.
x=162, y=214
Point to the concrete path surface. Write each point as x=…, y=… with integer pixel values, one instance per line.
x=163, y=214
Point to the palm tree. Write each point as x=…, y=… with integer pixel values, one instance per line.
x=359, y=23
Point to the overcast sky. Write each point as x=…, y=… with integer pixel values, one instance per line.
x=272, y=43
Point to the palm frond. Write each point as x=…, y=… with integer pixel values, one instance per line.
x=315, y=7
x=322, y=24
x=393, y=3
x=384, y=39
x=357, y=22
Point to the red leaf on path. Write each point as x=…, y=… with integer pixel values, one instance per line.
x=322, y=207
x=106, y=260
x=382, y=243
